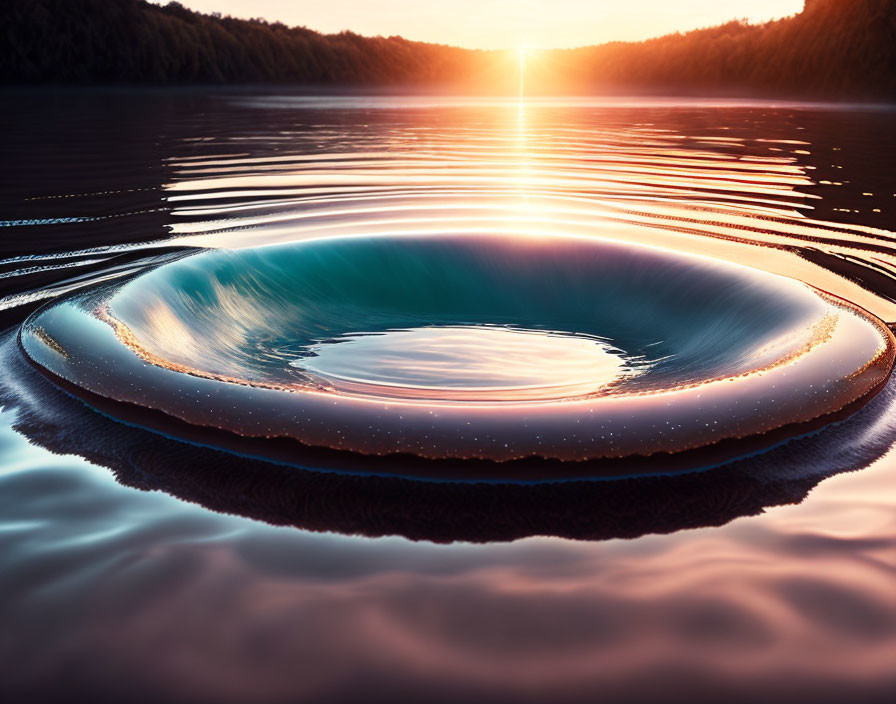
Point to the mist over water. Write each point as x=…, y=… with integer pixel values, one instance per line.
x=445, y=248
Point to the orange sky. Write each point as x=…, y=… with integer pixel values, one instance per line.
x=500, y=24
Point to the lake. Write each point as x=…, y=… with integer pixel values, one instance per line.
x=222, y=481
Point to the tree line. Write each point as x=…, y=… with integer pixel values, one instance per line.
x=834, y=48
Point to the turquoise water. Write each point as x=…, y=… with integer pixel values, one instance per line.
x=695, y=351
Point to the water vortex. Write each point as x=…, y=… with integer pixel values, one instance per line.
x=491, y=347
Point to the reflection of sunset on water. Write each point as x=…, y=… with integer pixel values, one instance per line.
x=148, y=554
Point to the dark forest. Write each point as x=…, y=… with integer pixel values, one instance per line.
x=833, y=49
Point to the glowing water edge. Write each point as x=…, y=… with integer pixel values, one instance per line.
x=485, y=347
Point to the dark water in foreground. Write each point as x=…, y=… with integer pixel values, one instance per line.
x=134, y=566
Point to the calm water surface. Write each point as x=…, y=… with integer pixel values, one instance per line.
x=136, y=566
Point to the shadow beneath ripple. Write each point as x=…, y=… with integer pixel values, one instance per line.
x=377, y=505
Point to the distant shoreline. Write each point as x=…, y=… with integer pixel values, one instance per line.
x=607, y=100
x=834, y=50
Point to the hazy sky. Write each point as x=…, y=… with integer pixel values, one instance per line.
x=495, y=24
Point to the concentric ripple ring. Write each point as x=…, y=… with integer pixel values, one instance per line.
x=480, y=346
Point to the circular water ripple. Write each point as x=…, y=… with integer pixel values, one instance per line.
x=490, y=347
x=435, y=279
